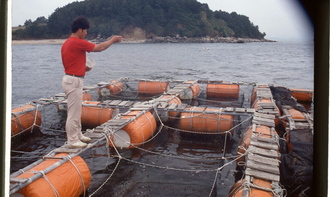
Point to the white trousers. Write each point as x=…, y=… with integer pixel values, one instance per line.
x=73, y=88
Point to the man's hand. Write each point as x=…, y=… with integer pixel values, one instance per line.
x=88, y=68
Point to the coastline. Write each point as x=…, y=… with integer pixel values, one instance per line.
x=153, y=40
x=37, y=42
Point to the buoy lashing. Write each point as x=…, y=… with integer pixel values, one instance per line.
x=116, y=87
x=87, y=96
x=69, y=179
x=136, y=132
x=170, y=99
x=227, y=91
x=205, y=122
x=23, y=118
x=237, y=190
x=152, y=87
x=94, y=115
x=260, y=130
x=302, y=95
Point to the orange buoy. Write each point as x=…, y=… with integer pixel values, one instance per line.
x=94, y=115
x=261, y=130
x=170, y=100
x=295, y=114
x=259, y=102
x=226, y=91
x=87, y=96
x=202, y=121
x=195, y=88
x=302, y=95
x=237, y=189
x=65, y=179
x=23, y=118
x=136, y=132
x=152, y=87
x=116, y=87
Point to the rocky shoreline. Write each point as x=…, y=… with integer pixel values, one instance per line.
x=204, y=40
x=167, y=39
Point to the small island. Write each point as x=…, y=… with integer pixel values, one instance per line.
x=143, y=21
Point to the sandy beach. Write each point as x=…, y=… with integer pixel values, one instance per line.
x=44, y=41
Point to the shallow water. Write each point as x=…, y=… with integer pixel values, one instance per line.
x=37, y=73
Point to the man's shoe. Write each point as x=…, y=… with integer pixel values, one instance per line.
x=85, y=139
x=78, y=144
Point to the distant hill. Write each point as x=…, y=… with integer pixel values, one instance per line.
x=141, y=19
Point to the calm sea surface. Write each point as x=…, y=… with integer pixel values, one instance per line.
x=37, y=69
x=37, y=73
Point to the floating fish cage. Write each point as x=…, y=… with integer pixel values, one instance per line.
x=256, y=129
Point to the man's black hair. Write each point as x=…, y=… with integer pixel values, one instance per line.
x=79, y=23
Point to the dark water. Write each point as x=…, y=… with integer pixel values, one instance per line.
x=184, y=165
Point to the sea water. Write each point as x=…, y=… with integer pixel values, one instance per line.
x=37, y=69
x=37, y=73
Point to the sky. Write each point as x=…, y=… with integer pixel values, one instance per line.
x=279, y=19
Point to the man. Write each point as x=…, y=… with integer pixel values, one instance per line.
x=73, y=53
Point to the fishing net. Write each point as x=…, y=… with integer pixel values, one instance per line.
x=297, y=164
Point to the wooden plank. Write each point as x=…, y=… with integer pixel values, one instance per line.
x=93, y=135
x=89, y=87
x=123, y=103
x=271, y=140
x=261, y=115
x=264, y=152
x=263, y=121
x=254, y=142
x=115, y=102
x=65, y=149
x=262, y=167
x=241, y=110
x=262, y=175
x=229, y=109
x=261, y=159
x=250, y=110
x=116, y=122
x=129, y=103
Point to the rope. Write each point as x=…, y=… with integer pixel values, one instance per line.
x=120, y=157
x=80, y=175
x=45, y=177
x=35, y=113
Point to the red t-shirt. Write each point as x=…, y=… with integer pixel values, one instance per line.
x=73, y=53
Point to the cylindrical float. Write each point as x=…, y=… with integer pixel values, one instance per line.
x=170, y=100
x=222, y=91
x=115, y=88
x=198, y=119
x=152, y=87
x=23, y=118
x=302, y=95
x=260, y=130
x=87, y=96
x=136, y=132
x=266, y=100
x=295, y=114
x=193, y=91
x=237, y=189
x=94, y=115
x=67, y=180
